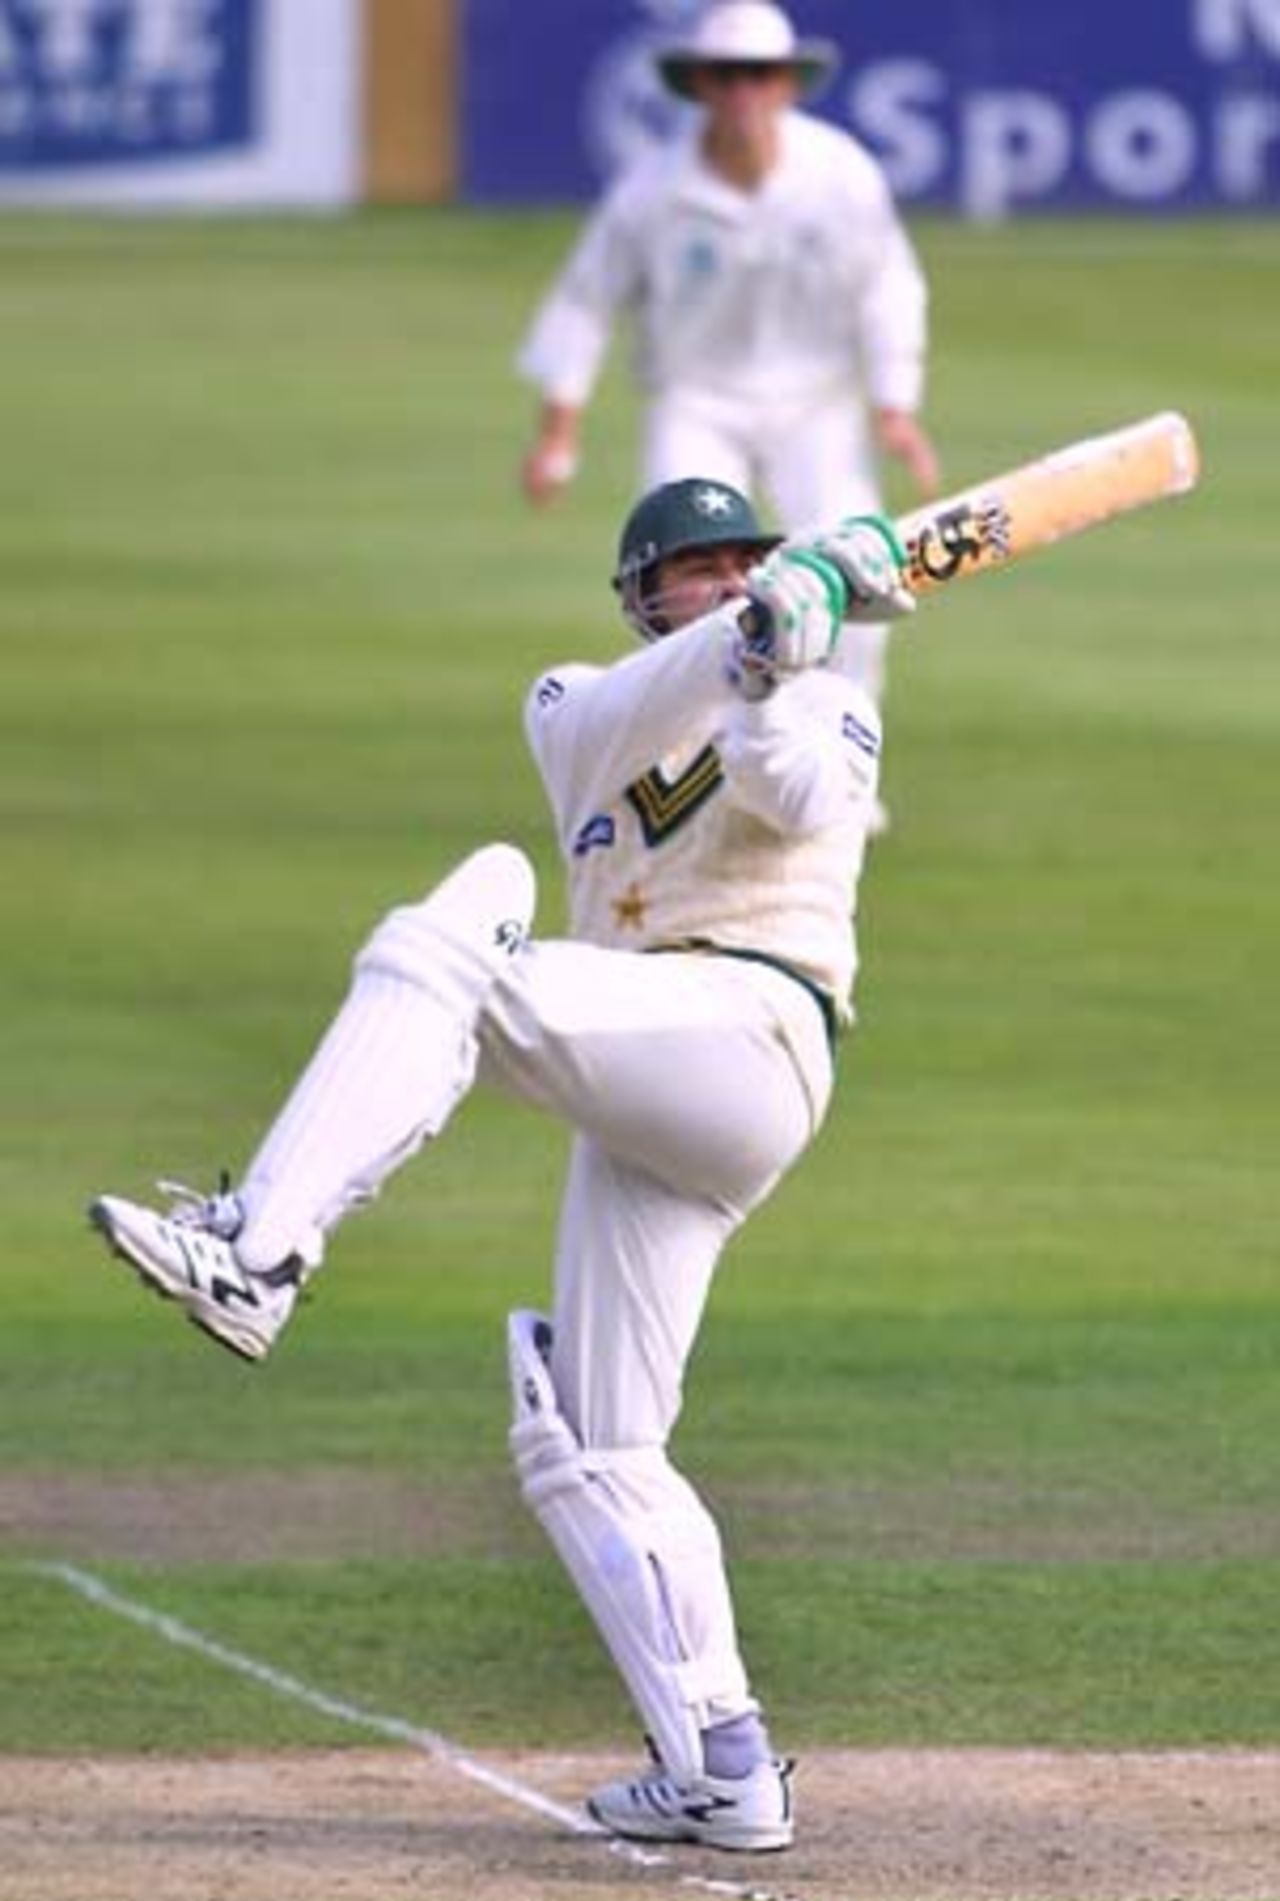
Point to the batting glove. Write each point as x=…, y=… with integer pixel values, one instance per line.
x=795, y=603
x=872, y=562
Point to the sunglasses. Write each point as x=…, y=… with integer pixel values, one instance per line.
x=729, y=72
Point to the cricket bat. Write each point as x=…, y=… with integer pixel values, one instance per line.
x=1001, y=520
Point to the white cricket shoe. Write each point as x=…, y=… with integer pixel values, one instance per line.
x=749, y=1814
x=187, y=1256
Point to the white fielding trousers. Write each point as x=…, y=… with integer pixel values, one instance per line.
x=811, y=457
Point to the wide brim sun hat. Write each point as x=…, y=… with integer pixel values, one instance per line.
x=746, y=33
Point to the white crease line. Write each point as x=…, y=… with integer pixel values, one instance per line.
x=428, y=1740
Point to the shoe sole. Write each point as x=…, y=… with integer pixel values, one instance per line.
x=244, y=1347
x=692, y=1836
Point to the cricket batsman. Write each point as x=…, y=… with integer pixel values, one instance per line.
x=711, y=793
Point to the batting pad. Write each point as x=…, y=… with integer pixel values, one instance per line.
x=397, y=1058
x=643, y=1553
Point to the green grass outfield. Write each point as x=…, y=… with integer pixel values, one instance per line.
x=989, y=1397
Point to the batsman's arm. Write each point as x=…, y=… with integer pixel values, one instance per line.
x=804, y=758
x=593, y=730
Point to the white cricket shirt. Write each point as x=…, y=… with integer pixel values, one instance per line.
x=684, y=812
x=809, y=283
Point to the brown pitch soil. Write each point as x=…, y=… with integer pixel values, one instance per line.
x=382, y=1825
x=378, y=1825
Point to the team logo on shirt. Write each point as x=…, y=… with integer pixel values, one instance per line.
x=663, y=805
x=629, y=910
x=700, y=261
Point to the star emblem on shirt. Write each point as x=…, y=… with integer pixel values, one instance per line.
x=715, y=503
x=629, y=910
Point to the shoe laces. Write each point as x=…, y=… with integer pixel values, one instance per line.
x=220, y=1214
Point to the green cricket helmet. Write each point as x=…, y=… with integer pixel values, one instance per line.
x=693, y=513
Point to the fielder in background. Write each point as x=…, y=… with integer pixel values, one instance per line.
x=778, y=307
x=711, y=795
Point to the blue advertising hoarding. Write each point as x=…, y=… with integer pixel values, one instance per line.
x=180, y=104
x=135, y=82
x=990, y=107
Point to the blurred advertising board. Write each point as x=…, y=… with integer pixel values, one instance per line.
x=988, y=107
x=179, y=103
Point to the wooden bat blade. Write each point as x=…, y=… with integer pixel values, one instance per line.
x=1001, y=520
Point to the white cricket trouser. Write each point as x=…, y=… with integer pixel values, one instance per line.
x=693, y=1083
x=812, y=458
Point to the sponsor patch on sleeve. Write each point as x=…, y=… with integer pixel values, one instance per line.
x=548, y=692
x=864, y=737
x=598, y=833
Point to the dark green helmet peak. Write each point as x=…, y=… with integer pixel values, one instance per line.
x=696, y=512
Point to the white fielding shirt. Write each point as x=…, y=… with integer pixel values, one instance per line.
x=799, y=288
x=684, y=812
